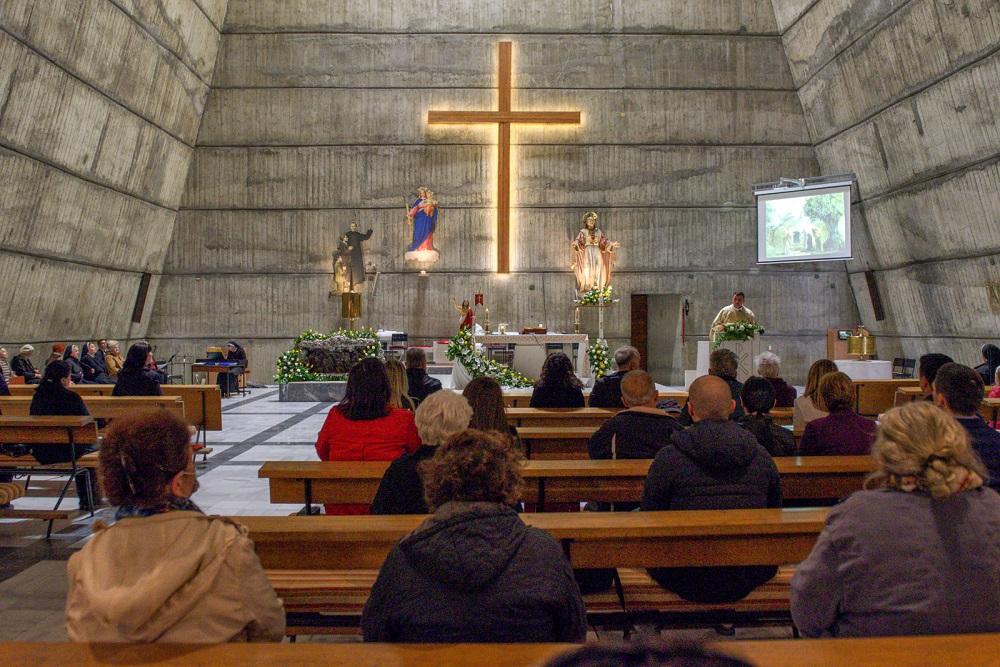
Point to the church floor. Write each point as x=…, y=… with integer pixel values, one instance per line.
x=256, y=428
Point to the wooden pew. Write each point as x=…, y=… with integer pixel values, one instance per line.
x=555, y=442
x=589, y=539
x=520, y=398
x=202, y=402
x=309, y=482
x=873, y=397
x=102, y=407
x=71, y=431
x=562, y=417
x=327, y=565
x=917, y=651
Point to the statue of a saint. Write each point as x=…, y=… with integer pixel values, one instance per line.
x=468, y=314
x=422, y=216
x=341, y=259
x=593, y=256
x=355, y=253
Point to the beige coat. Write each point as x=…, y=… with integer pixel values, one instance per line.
x=172, y=577
x=114, y=362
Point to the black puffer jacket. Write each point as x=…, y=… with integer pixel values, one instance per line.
x=474, y=572
x=712, y=465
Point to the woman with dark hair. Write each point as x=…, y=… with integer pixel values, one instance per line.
x=558, y=387
x=164, y=571
x=758, y=398
x=71, y=357
x=473, y=572
x=228, y=382
x=94, y=370
x=364, y=427
x=485, y=395
x=991, y=362
x=53, y=398
x=133, y=380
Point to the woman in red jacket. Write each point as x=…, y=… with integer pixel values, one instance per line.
x=363, y=427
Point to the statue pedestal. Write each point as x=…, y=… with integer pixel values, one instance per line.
x=745, y=351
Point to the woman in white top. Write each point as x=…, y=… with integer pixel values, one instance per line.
x=806, y=406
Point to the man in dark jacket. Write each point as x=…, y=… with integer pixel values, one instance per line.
x=473, y=572
x=21, y=365
x=639, y=431
x=607, y=391
x=722, y=363
x=421, y=384
x=958, y=390
x=715, y=464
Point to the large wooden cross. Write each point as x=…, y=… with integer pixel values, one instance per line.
x=503, y=117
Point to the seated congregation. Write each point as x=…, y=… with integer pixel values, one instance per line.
x=910, y=554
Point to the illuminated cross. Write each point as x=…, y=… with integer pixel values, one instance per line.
x=503, y=117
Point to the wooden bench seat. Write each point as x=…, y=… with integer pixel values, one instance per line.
x=802, y=478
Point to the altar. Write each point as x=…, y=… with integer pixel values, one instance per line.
x=530, y=350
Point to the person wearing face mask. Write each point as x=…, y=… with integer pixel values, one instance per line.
x=53, y=398
x=165, y=571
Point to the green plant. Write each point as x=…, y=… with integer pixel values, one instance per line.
x=600, y=360
x=596, y=296
x=291, y=367
x=462, y=349
x=737, y=331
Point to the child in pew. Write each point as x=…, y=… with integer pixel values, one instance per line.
x=440, y=416
x=165, y=572
x=918, y=556
x=473, y=572
x=715, y=464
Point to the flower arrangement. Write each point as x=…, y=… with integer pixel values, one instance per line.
x=595, y=296
x=322, y=357
x=600, y=360
x=462, y=350
x=737, y=331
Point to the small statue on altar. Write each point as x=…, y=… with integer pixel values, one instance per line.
x=468, y=314
x=593, y=256
x=355, y=259
x=422, y=216
x=341, y=259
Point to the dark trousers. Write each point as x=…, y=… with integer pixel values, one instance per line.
x=46, y=454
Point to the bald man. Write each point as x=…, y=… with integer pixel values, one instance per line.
x=714, y=464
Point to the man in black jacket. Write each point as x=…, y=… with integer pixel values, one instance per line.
x=639, y=431
x=722, y=363
x=421, y=384
x=958, y=390
x=715, y=464
x=607, y=391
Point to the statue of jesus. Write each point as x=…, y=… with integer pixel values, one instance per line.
x=593, y=256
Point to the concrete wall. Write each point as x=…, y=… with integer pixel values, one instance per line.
x=317, y=117
x=905, y=93
x=100, y=106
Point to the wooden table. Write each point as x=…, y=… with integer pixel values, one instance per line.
x=873, y=397
x=590, y=539
x=888, y=651
x=802, y=478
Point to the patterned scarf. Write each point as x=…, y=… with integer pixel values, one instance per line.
x=169, y=504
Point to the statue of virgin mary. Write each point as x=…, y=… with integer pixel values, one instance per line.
x=423, y=215
x=593, y=256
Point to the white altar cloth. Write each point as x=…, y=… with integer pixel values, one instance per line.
x=865, y=370
x=529, y=350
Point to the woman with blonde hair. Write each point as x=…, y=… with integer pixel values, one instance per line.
x=806, y=407
x=440, y=416
x=399, y=386
x=921, y=555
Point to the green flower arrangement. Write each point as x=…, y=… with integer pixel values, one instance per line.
x=600, y=360
x=291, y=367
x=737, y=331
x=462, y=349
x=596, y=296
